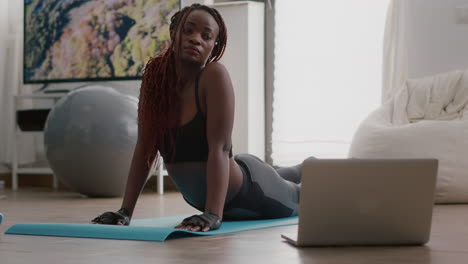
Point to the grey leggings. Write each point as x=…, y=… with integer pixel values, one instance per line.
x=266, y=192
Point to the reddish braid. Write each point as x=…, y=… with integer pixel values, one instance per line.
x=159, y=106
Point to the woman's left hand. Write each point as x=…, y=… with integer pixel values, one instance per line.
x=203, y=222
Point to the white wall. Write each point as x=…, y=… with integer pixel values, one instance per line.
x=436, y=43
x=244, y=59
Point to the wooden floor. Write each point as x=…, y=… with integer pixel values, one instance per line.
x=448, y=243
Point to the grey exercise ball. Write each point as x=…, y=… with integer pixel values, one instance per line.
x=89, y=139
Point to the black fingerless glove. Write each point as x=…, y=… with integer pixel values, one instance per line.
x=113, y=218
x=206, y=219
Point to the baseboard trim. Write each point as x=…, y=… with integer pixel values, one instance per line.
x=45, y=181
x=4, y=169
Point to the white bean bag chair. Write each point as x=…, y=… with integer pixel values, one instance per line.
x=426, y=118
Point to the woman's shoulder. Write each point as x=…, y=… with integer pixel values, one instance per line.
x=213, y=66
x=214, y=70
x=215, y=80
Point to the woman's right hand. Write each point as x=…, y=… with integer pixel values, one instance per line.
x=121, y=217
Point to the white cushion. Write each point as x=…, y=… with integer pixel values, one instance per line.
x=427, y=118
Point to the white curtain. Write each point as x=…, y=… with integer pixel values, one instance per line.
x=328, y=75
x=11, y=20
x=395, y=60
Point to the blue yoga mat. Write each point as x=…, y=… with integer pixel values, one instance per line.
x=153, y=229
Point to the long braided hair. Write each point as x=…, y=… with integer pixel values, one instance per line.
x=159, y=105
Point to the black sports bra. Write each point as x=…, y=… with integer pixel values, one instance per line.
x=191, y=143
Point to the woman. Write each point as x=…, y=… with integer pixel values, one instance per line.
x=186, y=112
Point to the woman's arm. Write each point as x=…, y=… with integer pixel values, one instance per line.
x=135, y=182
x=136, y=178
x=219, y=95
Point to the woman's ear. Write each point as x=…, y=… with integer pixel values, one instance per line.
x=174, y=41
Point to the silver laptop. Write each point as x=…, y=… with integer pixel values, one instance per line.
x=365, y=202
